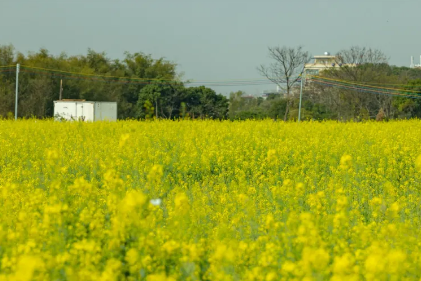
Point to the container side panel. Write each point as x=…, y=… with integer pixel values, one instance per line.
x=80, y=112
x=88, y=111
x=85, y=111
x=97, y=111
x=65, y=110
x=108, y=111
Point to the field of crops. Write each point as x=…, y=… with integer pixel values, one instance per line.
x=208, y=200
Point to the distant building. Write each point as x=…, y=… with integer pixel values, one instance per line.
x=415, y=65
x=248, y=97
x=321, y=63
x=269, y=94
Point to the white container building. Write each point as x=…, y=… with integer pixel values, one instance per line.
x=85, y=110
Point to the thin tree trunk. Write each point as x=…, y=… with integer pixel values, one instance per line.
x=288, y=105
x=286, y=111
x=156, y=108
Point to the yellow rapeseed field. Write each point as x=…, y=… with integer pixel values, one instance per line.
x=210, y=200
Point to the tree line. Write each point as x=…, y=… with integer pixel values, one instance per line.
x=145, y=87
x=359, y=65
x=141, y=85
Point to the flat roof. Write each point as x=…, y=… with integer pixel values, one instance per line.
x=324, y=57
x=83, y=101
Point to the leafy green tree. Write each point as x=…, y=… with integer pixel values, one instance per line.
x=409, y=107
x=150, y=94
x=38, y=89
x=277, y=108
x=172, y=99
x=203, y=102
x=7, y=55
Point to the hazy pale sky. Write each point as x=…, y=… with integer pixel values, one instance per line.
x=213, y=40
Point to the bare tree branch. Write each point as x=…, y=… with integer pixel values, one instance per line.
x=286, y=69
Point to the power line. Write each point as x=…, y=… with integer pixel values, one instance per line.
x=90, y=75
x=252, y=81
x=362, y=85
x=213, y=83
x=360, y=89
x=8, y=66
x=145, y=82
x=141, y=79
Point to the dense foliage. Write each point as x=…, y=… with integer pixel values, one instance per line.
x=133, y=79
x=145, y=87
x=254, y=200
x=322, y=102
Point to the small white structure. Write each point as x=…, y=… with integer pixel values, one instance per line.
x=413, y=65
x=85, y=110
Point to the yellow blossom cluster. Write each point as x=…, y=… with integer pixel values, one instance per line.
x=210, y=200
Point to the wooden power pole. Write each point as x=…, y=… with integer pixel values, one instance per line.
x=61, y=89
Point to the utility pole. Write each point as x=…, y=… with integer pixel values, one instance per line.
x=17, y=91
x=301, y=97
x=61, y=89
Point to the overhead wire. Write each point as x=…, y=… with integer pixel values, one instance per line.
x=368, y=91
x=362, y=85
x=143, y=79
x=346, y=83
x=126, y=81
x=375, y=91
x=214, y=83
x=389, y=84
x=249, y=81
x=7, y=66
x=93, y=78
x=7, y=70
x=90, y=74
x=191, y=81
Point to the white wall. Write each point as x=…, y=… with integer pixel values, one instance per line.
x=105, y=111
x=75, y=110
x=66, y=110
